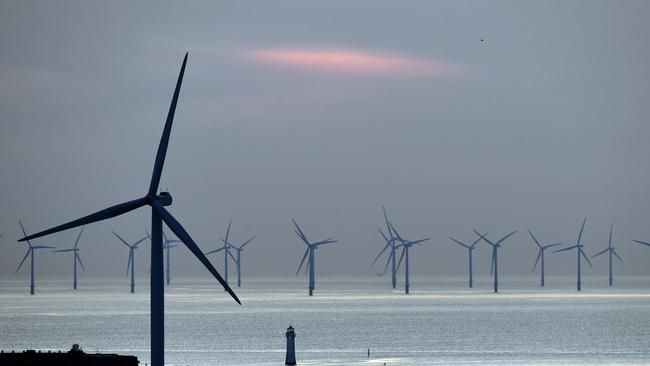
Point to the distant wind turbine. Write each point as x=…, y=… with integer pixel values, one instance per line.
x=76, y=258
x=579, y=252
x=130, y=265
x=392, y=245
x=540, y=255
x=30, y=253
x=495, y=256
x=238, y=249
x=158, y=214
x=311, y=249
x=406, y=245
x=611, y=251
x=168, y=244
x=226, y=253
x=470, y=250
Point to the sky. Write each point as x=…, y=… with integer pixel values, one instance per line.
x=455, y=115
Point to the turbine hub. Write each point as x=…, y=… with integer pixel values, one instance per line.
x=164, y=198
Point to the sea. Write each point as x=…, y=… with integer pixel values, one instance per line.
x=442, y=321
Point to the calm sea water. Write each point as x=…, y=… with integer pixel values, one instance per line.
x=441, y=322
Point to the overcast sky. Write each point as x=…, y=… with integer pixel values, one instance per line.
x=456, y=115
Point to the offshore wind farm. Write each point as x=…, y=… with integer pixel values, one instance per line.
x=426, y=183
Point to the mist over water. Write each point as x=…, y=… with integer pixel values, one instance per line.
x=441, y=322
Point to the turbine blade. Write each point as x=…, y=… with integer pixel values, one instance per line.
x=180, y=232
x=599, y=253
x=539, y=255
x=24, y=233
x=419, y=241
x=390, y=256
x=458, y=242
x=214, y=251
x=141, y=240
x=395, y=232
x=164, y=139
x=581, y=229
x=400, y=258
x=565, y=249
x=586, y=258
x=23, y=261
x=42, y=247
x=484, y=238
x=228, y=232
x=302, y=261
x=231, y=256
x=506, y=237
x=246, y=242
x=552, y=245
x=76, y=243
x=387, y=222
x=641, y=242
x=94, y=217
x=535, y=239
x=128, y=263
x=616, y=254
x=300, y=233
x=62, y=250
x=384, y=236
x=379, y=255
x=492, y=264
x=611, y=229
x=80, y=262
x=478, y=240
x=122, y=240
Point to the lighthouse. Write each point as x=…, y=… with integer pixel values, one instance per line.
x=291, y=347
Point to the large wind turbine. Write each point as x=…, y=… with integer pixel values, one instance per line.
x=168, y=244
x=495, y=256
x=76, y=258
x=239, y=249
x=226, y=253
x=130, y=265
x=311, y=249
x=470, y=250
x=30, y=252
x=158, y=214
x=579, y=252
x=611, y=251
x=390, y=244
x=406, y=245
x=540, y=255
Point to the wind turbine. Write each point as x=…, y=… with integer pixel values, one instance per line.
x=579, y=252
x=168, y=244
x=392, y=257
x=30, y=252
x=76, y=258
x=130, y=265
x=158, y=214
x=470, y=250
x=239, y=249
x=225, y=247
x=540, y=255
x=311, y=249
x=406, y=245
x=611, y=251
x=494, y=269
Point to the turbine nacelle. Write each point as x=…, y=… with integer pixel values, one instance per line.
x=164, y=198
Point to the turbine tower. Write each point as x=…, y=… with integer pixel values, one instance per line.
x=494, y=269
x=225, y=247
x=30, y=253
x=76, y=258
x=158, y=214
x=470, y=250
x=238, y=249
x=540, y=255
x=579, y=252
x=168, y=244
x=311, y=249
x=406, y=245
x=390, y=244
x=130, y=265
x=611, y=251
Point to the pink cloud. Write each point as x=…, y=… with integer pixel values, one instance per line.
x=342, y=60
